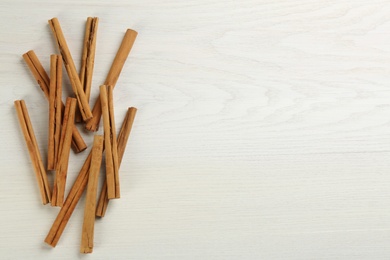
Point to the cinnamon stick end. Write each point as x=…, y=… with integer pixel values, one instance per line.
x=25, y=55
x=48, y=242
x=132, y=31
x=78, y=149
x=100, y=214
x=52, y=19
x=85, y=250
x=92, y=127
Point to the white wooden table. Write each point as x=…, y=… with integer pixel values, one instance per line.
x=263, y=129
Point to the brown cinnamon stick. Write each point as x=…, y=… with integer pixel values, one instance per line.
x=64, y=149
x=70, y=69
x=88, y=59
x=32, y=145
x=54, y=110
x=112, y=175
x=90, y=203
x=123, y=136
x=42, y=79
x=113, y=75
x=70, y=203
x=77, y=190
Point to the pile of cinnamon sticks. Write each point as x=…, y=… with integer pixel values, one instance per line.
x=63, y=133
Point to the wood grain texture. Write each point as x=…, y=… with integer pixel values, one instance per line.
x=262, y=129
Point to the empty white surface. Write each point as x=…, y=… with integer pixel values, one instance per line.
x=263, y=129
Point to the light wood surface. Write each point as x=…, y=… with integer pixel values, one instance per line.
x=262, y=131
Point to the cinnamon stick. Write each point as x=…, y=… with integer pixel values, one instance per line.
x=70, y=203
x=32, y=145
x=70, y=69
x=112, y=175
x=64, y=149
x=88, y=59
x=55, y=102
x=113, y=75
x=42, y=79
x=77, y=190
x=123, y=136
x=90, y=203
